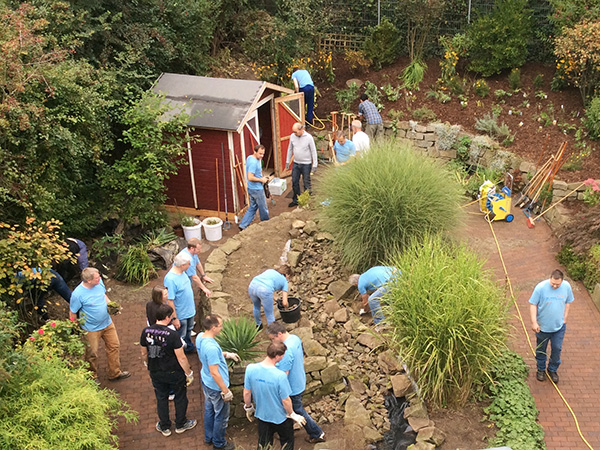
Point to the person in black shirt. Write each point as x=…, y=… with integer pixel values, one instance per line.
x=163, y=354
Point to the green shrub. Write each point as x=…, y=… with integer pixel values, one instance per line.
x=513, y=407
x=374, y=94
x=482, y=89
x=538, y=81
x=383, y=44
x=499, y=41
x=448, y=318
x=372, y=215
x=424, y=114
x=413, y=74
x=446, y=135
x=581, y=266
x=514, y=79
x=347, y=97
x=489, y=125
x=592, y=118
x=462, y=150
x=108, y=246
x=135, y=266
x=239, y=336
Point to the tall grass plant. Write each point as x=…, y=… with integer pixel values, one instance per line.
x=378, y=203
x=448, y=319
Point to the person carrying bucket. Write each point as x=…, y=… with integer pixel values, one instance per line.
x=261, y=290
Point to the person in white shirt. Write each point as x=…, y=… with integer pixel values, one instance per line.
x=360, y=139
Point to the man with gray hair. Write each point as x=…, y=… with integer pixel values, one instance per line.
x=181, y=298
x=360, y=138
x=90, y=300
x=302, y=148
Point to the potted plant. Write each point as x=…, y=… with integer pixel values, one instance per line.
x=213, y=228
x=192, y=227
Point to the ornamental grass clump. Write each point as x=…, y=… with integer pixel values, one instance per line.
x=378, y=203
x=448, y=319
x=239, y=336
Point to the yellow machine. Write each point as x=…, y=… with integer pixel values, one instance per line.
x=496, y=204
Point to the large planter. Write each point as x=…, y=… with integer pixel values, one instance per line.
x=213, y=228
x=194, y=231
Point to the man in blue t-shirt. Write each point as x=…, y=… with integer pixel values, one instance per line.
x=256, y=191
x=90, y=300
x=344, y=148
x=293, y=365
x=270, y=389
x=374, y=280
x=261, y=290
x=215, y=382
x=181, y=298
x=304, y=83
x=549, y=307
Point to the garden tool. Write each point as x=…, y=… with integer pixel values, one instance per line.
x=266, y=186
x=218, y=190
x=227, y=223
x=531, y=220
x=534, y=183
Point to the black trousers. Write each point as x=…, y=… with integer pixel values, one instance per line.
x=164, y=383
x=285, y=430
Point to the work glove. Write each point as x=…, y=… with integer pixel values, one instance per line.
x=227, y=396
x=250, y=410
x=297, y=418
x=189, y=378
x=231, y=355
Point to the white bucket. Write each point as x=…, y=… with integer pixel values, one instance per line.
x=213, y=231
x=193, y=232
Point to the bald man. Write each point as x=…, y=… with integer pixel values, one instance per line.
x=302, y=148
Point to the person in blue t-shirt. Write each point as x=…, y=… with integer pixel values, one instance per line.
x=215, y=382
x=344, y=148
x=374, y=281
x=293, y=365
x=304, y=83
x=549, y=307
x=181, y=298
x=269, y=388
x=89, y=299
x=256, y=191
x=261, y=290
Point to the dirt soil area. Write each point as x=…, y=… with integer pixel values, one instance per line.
x=534, y=140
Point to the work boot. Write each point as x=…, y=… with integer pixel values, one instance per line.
x=540, y=375
x=553, y=377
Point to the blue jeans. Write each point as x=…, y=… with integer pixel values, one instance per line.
x=375, y=304
x=311, y=427
x=261, y=296
x=216, y=416
x=258, y=201
x=309, y=99
x=297, y=170
x=185, y=333
x=556, y=340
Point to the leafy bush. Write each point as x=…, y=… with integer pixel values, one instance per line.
x=413, y=74
x=482, y=89
x=135, y=266
x=374, y=94
x=592, y=118
x=538, y=81
x=383, y=44
x=239, y=335
x=489, y=125
x=424, y=114
x=514, y=79
x=581, y=266
x=387, y=214
x=392, y=93
x=448, y=318
x=109, y=246
x=454, y=49
x=446, y=135
x=462, y=149
x=513, y=407
x=347, y=97
x=499, y=41
x=357, y=60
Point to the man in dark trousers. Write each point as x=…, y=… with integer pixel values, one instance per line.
x=162, y=352
x=302, y=149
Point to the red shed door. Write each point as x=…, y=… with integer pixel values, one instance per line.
x=288, y=110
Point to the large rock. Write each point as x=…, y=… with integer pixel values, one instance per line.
x=294, y=258
x=331, y=374
x=304, y=333
x=371, y=435
x=417, y=423
x=298, y=224
x=230, y=246
x=339, y=289
x=310, y=228
x=355, y=413
x=431, y=434
x=219, y=306
x=331, y=306
x=368, y=340
x=217, y=257
x=341, y=315
x=214, y=268
x=314, y=363
x=354, y=434
x=357, y=385
x=388, y=362
x=324, y=236
x=421, y=446
x=401, y=385
x=416, y=409
x=313, y=348
x=217, y=278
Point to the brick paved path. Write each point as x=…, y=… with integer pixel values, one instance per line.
x=529, y=255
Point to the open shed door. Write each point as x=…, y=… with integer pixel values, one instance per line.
x=289, y=109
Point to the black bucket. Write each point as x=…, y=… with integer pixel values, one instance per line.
x=291, y=315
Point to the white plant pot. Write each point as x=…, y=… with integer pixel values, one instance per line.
x=213, y=232
x=193, y=232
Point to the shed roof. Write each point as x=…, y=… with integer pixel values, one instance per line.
x=213, y=103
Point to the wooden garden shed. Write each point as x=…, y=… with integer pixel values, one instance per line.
x=231, y=117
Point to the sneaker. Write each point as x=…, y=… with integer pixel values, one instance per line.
x=193, y=333
x=228, y=446
x=166, y=432
x=291, y=205
x=171, y=397
x=187, y=426
x=259, y=327
x=315, y=440
x=553, y=377
x=540, y=375
x=121, y=376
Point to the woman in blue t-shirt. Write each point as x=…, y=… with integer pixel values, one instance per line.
x=261, y=290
